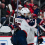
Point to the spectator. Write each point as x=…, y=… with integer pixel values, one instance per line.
x=31, y=3
x=29, y=6
x=19, y=9
x=36, y=9
x=26, y=3
x=31, y=9
x=3, y=13
x=42, y=15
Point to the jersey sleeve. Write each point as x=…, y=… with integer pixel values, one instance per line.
x=35, y=30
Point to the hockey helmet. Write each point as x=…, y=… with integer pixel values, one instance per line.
x=24, y=10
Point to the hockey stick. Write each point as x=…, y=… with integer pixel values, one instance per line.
x=38, y=25
x=6, y=20
x=37, y=36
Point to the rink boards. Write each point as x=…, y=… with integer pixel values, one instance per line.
x=5, y=40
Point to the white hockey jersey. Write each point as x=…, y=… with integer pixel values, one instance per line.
x=29, y=30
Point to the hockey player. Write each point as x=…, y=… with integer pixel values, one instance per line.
x=19, y=36
x=26, y=27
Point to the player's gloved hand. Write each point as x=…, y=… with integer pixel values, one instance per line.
x=11, y=26
x=40, y=39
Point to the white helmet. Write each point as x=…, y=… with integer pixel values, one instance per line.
x=24, y=10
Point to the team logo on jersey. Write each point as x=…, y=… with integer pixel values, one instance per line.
x=32, y=22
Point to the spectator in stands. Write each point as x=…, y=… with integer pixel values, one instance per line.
x=3, y=13
x=31, y=9
x=26, y=3
x=14, y=4
x=3, y=1
x=31, y=3
x=42, y=15
x=29, y=6
x=36, y=9
x=19, y=9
